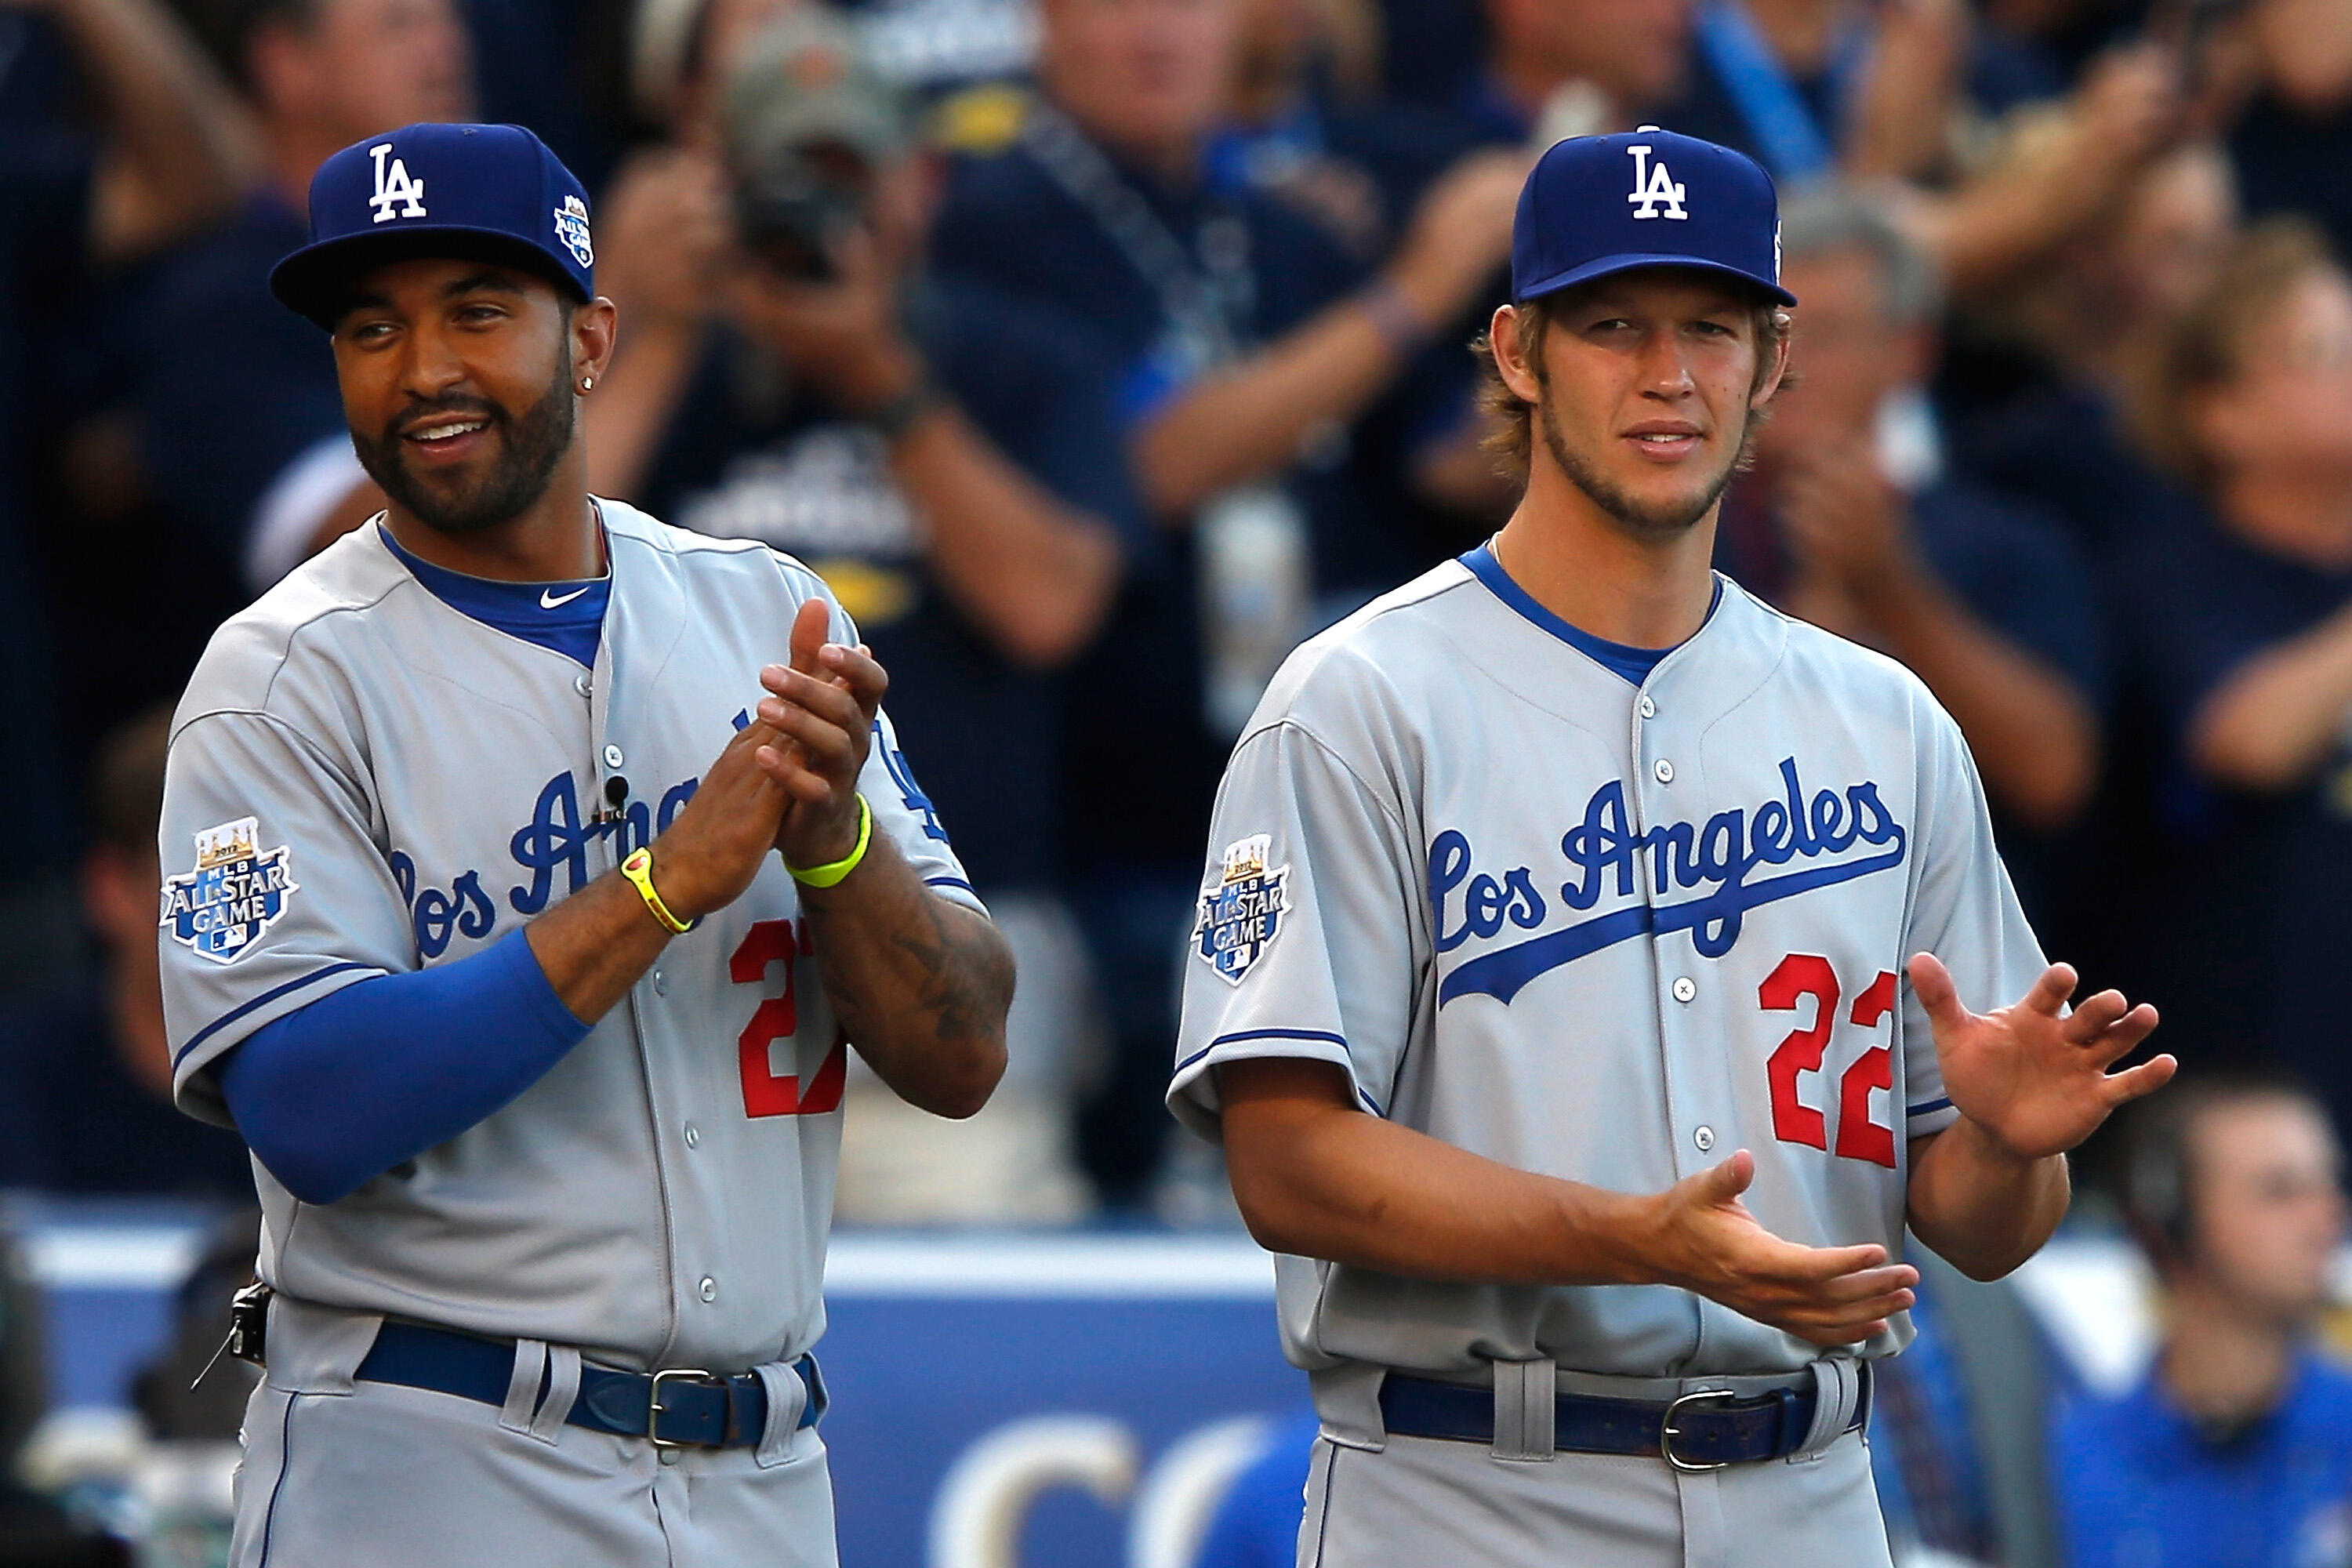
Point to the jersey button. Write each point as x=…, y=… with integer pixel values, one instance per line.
x=661, y=983
x=693, y=1136
x=1665, y=770
x=1685, y=988
x=710, y=1289
x=613, y=756
x=581, y=684
x=1704, y=1138
x=1649, y=708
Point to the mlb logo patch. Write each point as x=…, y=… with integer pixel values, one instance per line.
x=1241, y=916
x=571, y=231
x=236, y=891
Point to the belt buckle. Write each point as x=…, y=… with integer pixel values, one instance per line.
x=654, y=1409
x=1666, y=1433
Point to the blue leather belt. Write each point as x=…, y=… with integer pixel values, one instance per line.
x=670, y=1407
x=1698, y=1431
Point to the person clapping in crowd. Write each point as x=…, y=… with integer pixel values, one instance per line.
x=2240, y=599
x=1849, y=520
x=1241, y=341
x=2229, y=1453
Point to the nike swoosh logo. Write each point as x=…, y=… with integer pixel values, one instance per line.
x=548, y=601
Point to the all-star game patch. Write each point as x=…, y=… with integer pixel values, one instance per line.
x=1240, y=915
x=237, y=888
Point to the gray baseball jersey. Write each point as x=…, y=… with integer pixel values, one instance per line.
x=363, y=781
x=1598, y=931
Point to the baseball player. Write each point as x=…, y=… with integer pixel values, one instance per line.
x=1548, y=993
x=527, y=864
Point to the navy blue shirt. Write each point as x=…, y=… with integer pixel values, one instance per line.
x=1139, y=782
x=2287, y=161
x=45, y=195
x=74, y=1119
x=232, y=385
x=747, y=455
x=2258, y=891
x=2141, y=1486
x=2014, y=565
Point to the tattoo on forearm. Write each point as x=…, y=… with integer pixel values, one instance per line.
x=965, y=980
x=952, y=970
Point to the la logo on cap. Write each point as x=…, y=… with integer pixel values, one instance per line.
x=394, y=188
x=1651, y=184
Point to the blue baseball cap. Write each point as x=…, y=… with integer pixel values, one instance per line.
x=489, y=193
x=1600, y=205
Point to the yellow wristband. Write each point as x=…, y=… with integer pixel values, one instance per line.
x=639, y=869
x=826, y=876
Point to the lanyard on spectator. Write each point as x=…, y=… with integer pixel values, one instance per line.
x=1208, y=299
x=1255, y=573
x=1793, y=144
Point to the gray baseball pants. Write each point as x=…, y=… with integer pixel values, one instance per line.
x=1381, y=1499
x=346, y=1474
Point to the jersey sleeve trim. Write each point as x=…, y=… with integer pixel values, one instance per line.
x=1191, y=1095
x=254, y=1004
x=1932, y=1116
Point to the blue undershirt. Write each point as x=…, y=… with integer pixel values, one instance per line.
x=337, y=1093
x=1633, y=663
x=566, y=617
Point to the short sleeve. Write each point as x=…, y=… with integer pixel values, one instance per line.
x=1308, y=935
x=903, y=811
x=887, y=782
x=1963, y=910
x=274, y=890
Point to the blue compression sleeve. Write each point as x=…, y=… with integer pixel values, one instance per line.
x=337, y=1093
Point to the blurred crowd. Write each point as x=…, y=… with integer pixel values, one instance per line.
x=1096, y=351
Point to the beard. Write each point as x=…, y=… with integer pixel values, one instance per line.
x=1646, y=519
x=528, y=451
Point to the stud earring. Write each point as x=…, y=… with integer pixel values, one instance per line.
x=586, y=382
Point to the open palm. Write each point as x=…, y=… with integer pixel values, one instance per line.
x=2032, y=1075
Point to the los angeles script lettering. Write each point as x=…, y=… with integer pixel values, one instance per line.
x=556, y=836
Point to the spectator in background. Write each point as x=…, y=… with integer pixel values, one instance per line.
x=1552, y=68
x=242, y=431
x=1986, y=600
x=2241, y=606
x=2078, y=336
x=160, y=158
x=2292, y=143
x=2232, y=1452
x=86, y=1084
x=944, y=454
x=1239, y=337
x=1573, y=68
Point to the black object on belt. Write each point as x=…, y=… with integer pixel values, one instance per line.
x=670, y=1407
x=1710, y=1428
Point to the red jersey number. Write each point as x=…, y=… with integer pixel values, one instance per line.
x=767, y=1092
x=1803, y=1050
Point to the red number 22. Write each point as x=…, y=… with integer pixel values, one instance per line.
x=1794, y=1121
